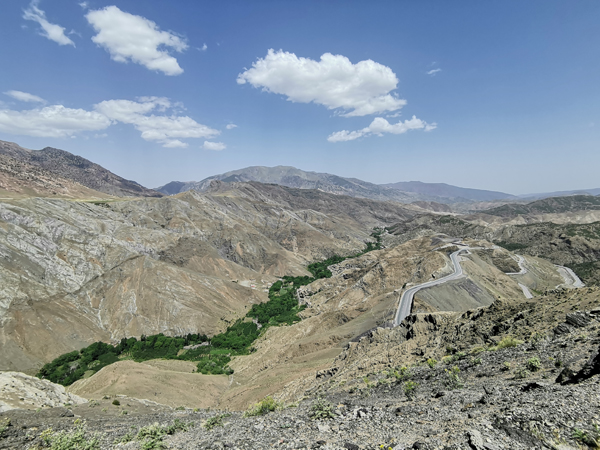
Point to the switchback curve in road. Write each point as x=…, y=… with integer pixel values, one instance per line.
x=407, y=296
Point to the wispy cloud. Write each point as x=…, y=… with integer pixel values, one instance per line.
x=49, y=30
x=134, y=38
x=25, y=96
x=203, y=48
x=52, y=121
x=166, y=129
x=380, y=126
x=231, y=126
x=215, y=146
x=432, y=72
x=154, y=117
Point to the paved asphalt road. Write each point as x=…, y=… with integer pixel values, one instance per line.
x=407, y=297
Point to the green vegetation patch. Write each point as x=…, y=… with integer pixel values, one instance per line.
x=70, y=367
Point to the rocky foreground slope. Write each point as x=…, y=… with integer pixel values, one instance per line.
x=518, y=376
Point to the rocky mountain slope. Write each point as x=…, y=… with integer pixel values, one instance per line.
x=65, y=165
x=20, y=179
x=296, y=178
x=516, y=375
x=78, y=272
x=20, y=391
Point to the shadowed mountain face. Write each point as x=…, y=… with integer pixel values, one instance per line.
x=296, y=178
x=77, y=169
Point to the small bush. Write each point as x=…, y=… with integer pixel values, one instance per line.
x=409, y=389
x=263, y=407
x=459, y=356
x=151, y=437
x=4, y=424
x=215, y=421
x=476, y=361
x=402, y=374
x=76, y=439
x=533, y=364
x=178, y=425
x=116, y=402
x=321, y=409
x=453, y=380
x=507, y=342
x=521, y=373
x=128, y=437
x=431, y=362
x=586, y=437
x=506, y=366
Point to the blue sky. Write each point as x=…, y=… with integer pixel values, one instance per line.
x=500, y=95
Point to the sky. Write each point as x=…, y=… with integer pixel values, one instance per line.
x=500, y=95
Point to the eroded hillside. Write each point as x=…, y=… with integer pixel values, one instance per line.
x=78, y=272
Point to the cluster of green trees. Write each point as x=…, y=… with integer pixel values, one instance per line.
x=70, y=367
x=282, y=308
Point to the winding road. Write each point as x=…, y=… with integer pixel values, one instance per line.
x=570, y=278
x=407, y=296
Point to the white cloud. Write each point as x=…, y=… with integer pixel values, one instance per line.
x=52, y=121
x=134, y=38
x=360, y=89
x=216, y=146
x=58, y=121
x=49, y=30
x=162, y=128
x=204, y=48
x=25, y=96
x=231, y=126
x=175, y=143
x=84, y=5
x=432, y=72
x=380, y=126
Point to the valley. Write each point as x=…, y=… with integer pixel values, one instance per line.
x=221, y=297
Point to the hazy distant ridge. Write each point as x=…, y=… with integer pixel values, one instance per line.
x=447, y=190
x=300, y=179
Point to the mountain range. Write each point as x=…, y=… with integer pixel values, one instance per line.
x=55, y=172
x=405, y=192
